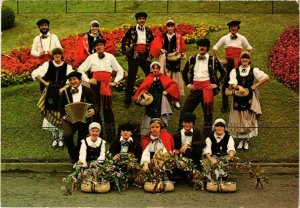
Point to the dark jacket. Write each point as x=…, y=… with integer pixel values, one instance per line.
x=213, y=68
x=130, y=38
x=134, y=147
x=86, y=96
x=198, y=143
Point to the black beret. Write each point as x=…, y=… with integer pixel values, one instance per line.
x=125, y=126
x=42, y=21
x=188, y=116
x=234, y=22
x=203, y=42
x=74, y=74
x=100, y=40
x=141, y=14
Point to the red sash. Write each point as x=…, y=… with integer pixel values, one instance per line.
x=140, y=48
x=235, y=53
x=105, y=88
x=208, y=94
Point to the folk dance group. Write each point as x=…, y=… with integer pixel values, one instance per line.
x=163, y=85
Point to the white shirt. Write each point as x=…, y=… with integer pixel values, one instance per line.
x=77, y=96
x=258, y=74
x=230, y=145
x=42, y=70
x=107, y=64
x=185, y=139
x=141, y=35
x=240, y=42
x=124, y=148
x=46, y=44
x=150, y=148
x=170, y=36
x=82, y=152
x=201, y=69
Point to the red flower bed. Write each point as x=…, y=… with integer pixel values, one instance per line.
x=284, y=58
x=19, y=61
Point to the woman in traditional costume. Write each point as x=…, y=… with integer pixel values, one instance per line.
x=85, y=44
x=93, y=147
x=164, y=91
x=157, y=141
x=245, y=110
x=52, y=76
x=170, y=48
x=218, y=144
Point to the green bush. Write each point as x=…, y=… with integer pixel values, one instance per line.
x=7, y=18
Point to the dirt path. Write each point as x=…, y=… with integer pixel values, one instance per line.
x=31, y=189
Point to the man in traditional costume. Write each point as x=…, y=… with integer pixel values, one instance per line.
x=45, y=42
x=101, y=64
x=189, y=140
x=86, y=43
x=166, y=46
x=75, y=94
x=233, y=43
x=203, y=82
x=52, y=76
x=125, y=143
x=136, y=46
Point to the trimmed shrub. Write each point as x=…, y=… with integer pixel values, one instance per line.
x=7, y=17
x=284, y=58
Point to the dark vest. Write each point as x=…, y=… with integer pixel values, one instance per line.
x=57, y=77
x=170, y=47
x=220, y=148
x=154, y=109
x=91, y=152
x=91, y=42
x=244, y=103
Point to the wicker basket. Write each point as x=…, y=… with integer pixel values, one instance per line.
x=166, y=186
x=102, y=187
x=228, y=187
x=175, y=56
x=86, y=187
x=212, y=186
x=169, y=186
x=221, y=187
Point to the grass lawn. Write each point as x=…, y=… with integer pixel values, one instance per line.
x=23, y=139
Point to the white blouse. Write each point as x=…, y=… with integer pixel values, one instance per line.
x=42, y=70
x=83, y=147
x=258, y=74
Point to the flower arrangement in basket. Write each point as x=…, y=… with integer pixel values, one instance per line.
x=156, y=179
x=97, y=177
x=217, y=173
